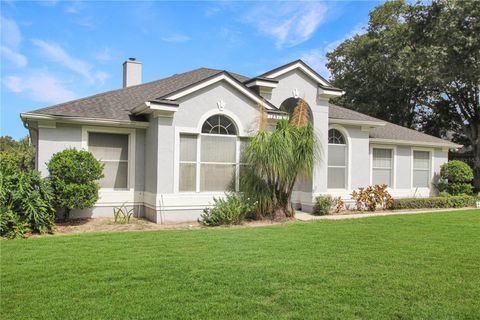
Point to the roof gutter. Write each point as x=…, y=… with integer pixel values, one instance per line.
x=27, y=116
x=372, y=124
x=445, y=144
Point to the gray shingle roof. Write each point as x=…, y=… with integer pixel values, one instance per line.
x=395, y=132
x=117, y=104
x=390, y=131
x=337, y=112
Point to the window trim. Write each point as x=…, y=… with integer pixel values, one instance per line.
x=131, y=151
x=394, y=163
x=348, y=144
x=431, y=158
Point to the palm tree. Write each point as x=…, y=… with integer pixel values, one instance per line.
x=274, y=159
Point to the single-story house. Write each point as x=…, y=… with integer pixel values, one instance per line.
x=169, y=146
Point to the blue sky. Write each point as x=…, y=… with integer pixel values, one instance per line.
x=56, y=51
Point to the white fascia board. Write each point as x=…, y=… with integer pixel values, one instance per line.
x=26, y=116
x=152, y=106
x=300, y=66
x=447, y=144
x=262, y=83
x=372, y=124
x=325, y=93
x=221, y=77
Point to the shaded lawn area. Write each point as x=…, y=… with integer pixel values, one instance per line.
x=403, y=267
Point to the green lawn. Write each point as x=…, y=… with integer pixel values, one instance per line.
x=398, y=267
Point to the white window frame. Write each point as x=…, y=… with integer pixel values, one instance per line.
x=348, y=142
x=430, y=151
x=394, y=163
x=131, y=151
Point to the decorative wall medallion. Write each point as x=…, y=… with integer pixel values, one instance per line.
x=295, y=93
x=221, y=105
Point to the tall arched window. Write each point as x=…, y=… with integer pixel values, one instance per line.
x=337, y=160
x=213, y=166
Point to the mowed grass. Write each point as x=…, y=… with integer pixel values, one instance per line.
x=424, y=266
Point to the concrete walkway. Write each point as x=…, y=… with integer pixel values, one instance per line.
x=303, y=216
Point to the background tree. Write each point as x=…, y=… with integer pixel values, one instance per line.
x=417, y=65
x=17, y=154
x=74, y=176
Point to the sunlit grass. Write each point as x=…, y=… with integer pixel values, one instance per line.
x=418, y=266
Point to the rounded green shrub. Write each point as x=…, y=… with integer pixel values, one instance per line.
x=74, y=175
x=227, y=211
x=455, y=178
x=323, y=205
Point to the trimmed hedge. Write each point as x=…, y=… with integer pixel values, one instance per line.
x=435, y=202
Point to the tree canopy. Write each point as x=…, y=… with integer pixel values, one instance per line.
x=417, y=65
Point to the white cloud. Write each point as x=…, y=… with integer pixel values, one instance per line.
x=15, y=57
x=40, y=86
x=10, y=33
x=175, y=38
x=55, y=53
x=11, y=38
x=288, y=23
x=104, y=55
x=101, y=76
x=317, y=59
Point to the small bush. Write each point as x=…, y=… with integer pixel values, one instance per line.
x=372, y=197
x=444, y=194
x=338, y=204
x=12, y=226
x=455, y=178
x=27, y=196
x=227, y=211
x=323, y=205
x=122, y=214
x=74, y=175
x=434, y=202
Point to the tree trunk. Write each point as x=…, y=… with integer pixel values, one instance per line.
x=476, y=165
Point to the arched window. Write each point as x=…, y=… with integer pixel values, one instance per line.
x=290, y=104
x=214, y=165
x=337, y=160
x=219, y=124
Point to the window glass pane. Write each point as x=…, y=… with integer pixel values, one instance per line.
x=219, y=124
x=188, y=179
x=382, y=158
x=382, y=176
x=421, y=178
x=335, y=137
x=337, y=155
x=421, y=159
x=115, y=175
x=108, y=146
x=336, y=178
x=188, y=147
x=218, y=149
x=217, y=177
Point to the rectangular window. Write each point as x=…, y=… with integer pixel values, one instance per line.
x=188, y=163
x=112, y=150
x=215, y=162
x=337, y=166
x=218, y=159
x=421, y=169
x=382, y=167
